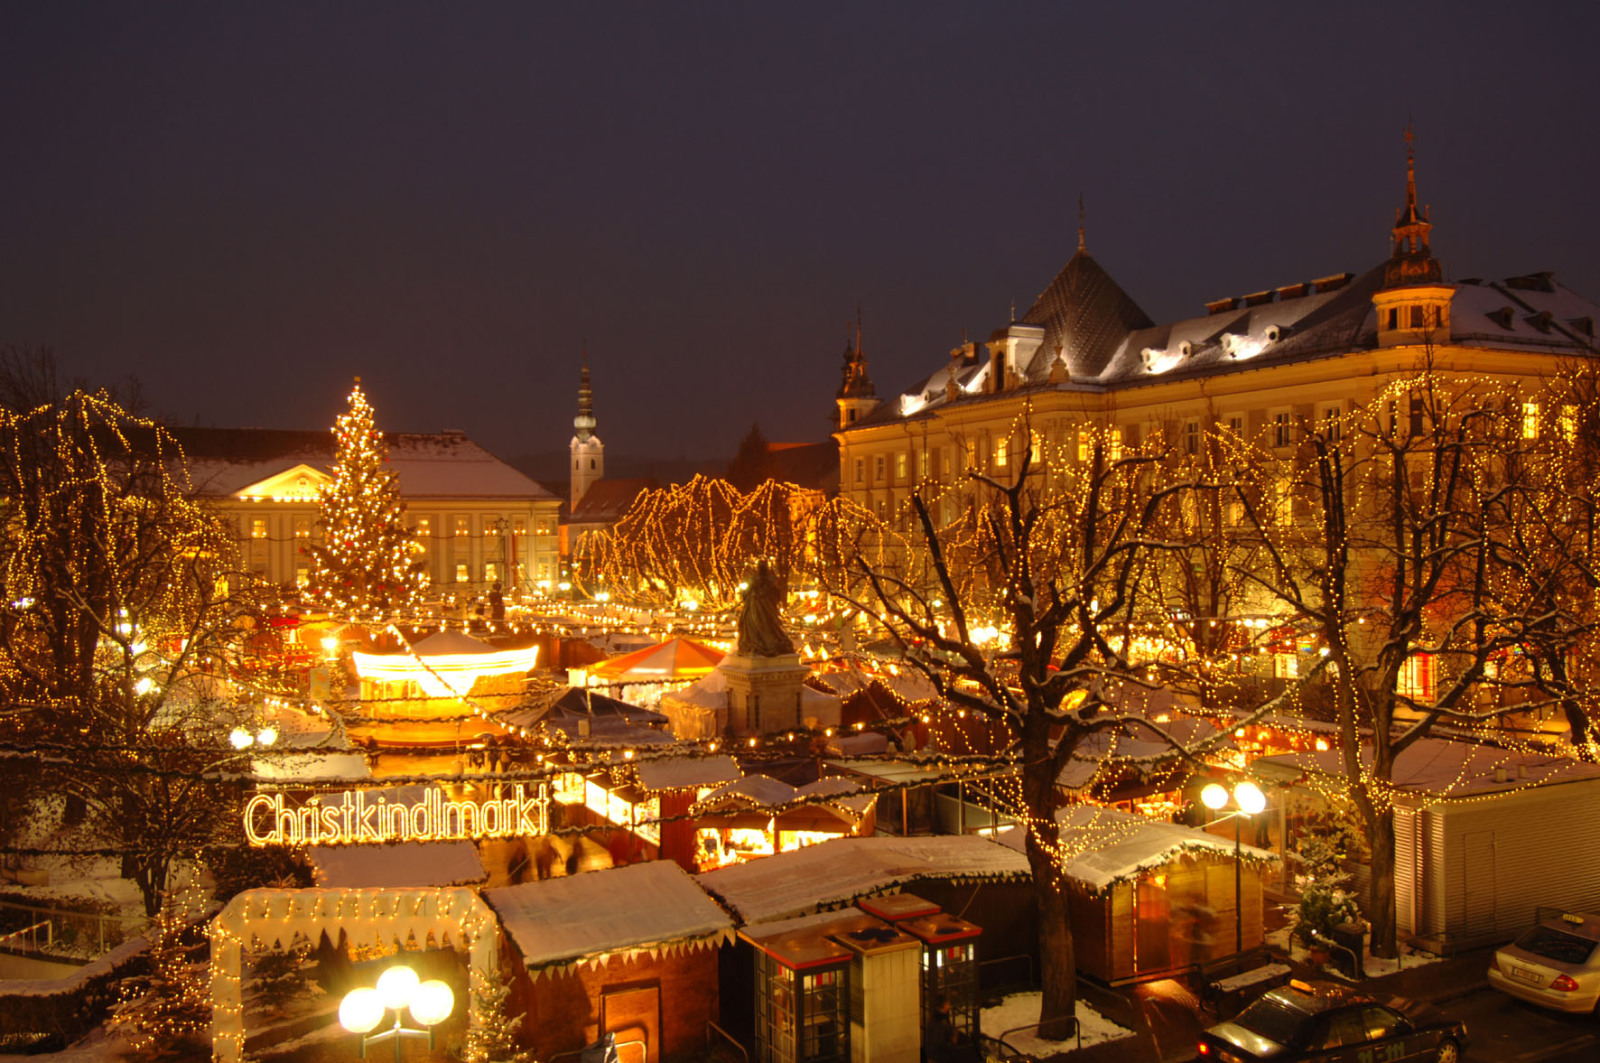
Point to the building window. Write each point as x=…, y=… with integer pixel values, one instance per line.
x=1330, y=423
x=463, y=527
x=1530, y=420
x=1416, y=678
x=1114, y=444
x=924, y=465
x=1034, y=447
x=861, y=470
x=1236, y=426
x=1191, y=437
x=1285, y=665
x=1001, y=449
x=302, y=527
x=491, y=571
x=1569, y=424
x=1419, y=319
x=901, y=466
x=883, y=510
x=1282, y=429
x=1283, y=500
x=463, y=572
x=1414, y=411
x=944, y=462
x=302, y=576
x=258, y=528
x=879, y=466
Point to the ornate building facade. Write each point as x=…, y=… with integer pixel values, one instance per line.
x=1264, y=364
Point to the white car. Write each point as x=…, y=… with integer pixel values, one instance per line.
x=1555, y=965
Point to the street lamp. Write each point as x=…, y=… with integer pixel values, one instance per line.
x=1247, y=800
x=398, y=988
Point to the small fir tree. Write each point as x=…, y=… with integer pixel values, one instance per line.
x=165, y=1014
x=492, y=1037
x=366, y=563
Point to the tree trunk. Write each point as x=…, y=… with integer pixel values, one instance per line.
x=1381, y=908
x=1058, y=960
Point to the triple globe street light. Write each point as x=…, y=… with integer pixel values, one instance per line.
x=398, y=990
x=1247, y=800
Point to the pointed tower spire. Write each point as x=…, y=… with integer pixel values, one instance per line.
x=856, y=395
x=1411, y=260
x=588, y=453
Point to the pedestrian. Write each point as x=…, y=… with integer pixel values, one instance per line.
x=497, y=604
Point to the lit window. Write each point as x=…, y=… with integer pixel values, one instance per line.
x=1282, y=430
x=1034, y=447
x=302, y=577
x=1530, y=420
x=1285, y=665
x=302, y=527
x=1283, y=509
x=924, y=465
x=491, y=525
x=1001, y=447
x=463, y=526
x=1416, y=678
x=1085, y=444
x=463, y=573
x=1569, y=424
x=258, y=528
x=1114, y=444
x=944, y=462
x=1330, y=423
x=491, y=571
x=900, y=465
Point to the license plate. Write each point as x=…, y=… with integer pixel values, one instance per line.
x=1525, y=975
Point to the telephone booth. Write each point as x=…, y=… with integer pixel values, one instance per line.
x=885, y=1013
x=802, y=994
x=895, y=907
x=949, y=966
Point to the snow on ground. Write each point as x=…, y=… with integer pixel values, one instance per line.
x=1022, y=1009
x=1371, y=966
x=96, y=1047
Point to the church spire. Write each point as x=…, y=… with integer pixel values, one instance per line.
x=584, y=422
x=856, y=395
x=1411, y=261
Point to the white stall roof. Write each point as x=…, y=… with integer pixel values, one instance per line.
x=681, y=773
x=1108, y=846
x=403, y=865
x=591, y=917
x=1445, y=768
x=839, y=871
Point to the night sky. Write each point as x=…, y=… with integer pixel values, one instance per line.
x=244, y=209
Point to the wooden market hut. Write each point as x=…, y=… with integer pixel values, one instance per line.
x=630, y=951
x=1152, y=897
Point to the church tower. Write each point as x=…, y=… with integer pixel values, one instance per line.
x=588, y=453
x=1414, y=303
x=856, y=395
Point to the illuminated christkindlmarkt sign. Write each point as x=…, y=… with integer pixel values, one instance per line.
x=368, y=817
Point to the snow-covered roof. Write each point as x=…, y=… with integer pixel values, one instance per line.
x=682, y=773
x=839, y=871
x=447, y=643
x=1446, y=768
x=398, y=866
x=308, y=767
x=224, y=461
x=1109, y=846
x=760, y=790
x=646, y=907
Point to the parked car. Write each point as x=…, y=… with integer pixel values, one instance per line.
x=1329, y=1023
x=1555, y=965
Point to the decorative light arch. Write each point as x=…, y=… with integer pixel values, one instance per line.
x=274, y=919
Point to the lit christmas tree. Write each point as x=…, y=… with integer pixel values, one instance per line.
x=367, y=562
x=492, y=1037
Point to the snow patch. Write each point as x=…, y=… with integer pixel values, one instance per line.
x=1022, y=1009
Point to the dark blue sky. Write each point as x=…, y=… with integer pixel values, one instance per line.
x=246, y=208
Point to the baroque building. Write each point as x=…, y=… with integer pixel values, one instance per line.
x=480, y=521
x=1264, y=364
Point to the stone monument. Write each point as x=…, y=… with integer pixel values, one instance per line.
x=764, y=672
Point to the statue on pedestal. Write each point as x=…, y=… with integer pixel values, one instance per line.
x=761, y=633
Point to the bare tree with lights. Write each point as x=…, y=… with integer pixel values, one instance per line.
x=126, y=614
x=1061, y=562
x=1412, y=538
x=367, y=563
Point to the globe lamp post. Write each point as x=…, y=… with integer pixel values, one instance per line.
x=398, y=989
x=1248, y=800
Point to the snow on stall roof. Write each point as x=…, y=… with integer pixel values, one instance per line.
x=1111, y=846
x=283, y=767
x=757, y=789
x=401, y=865
x=680, y=773
x=447, y=643
x=1446, y=768
x=645, y=906
x=840, y=871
